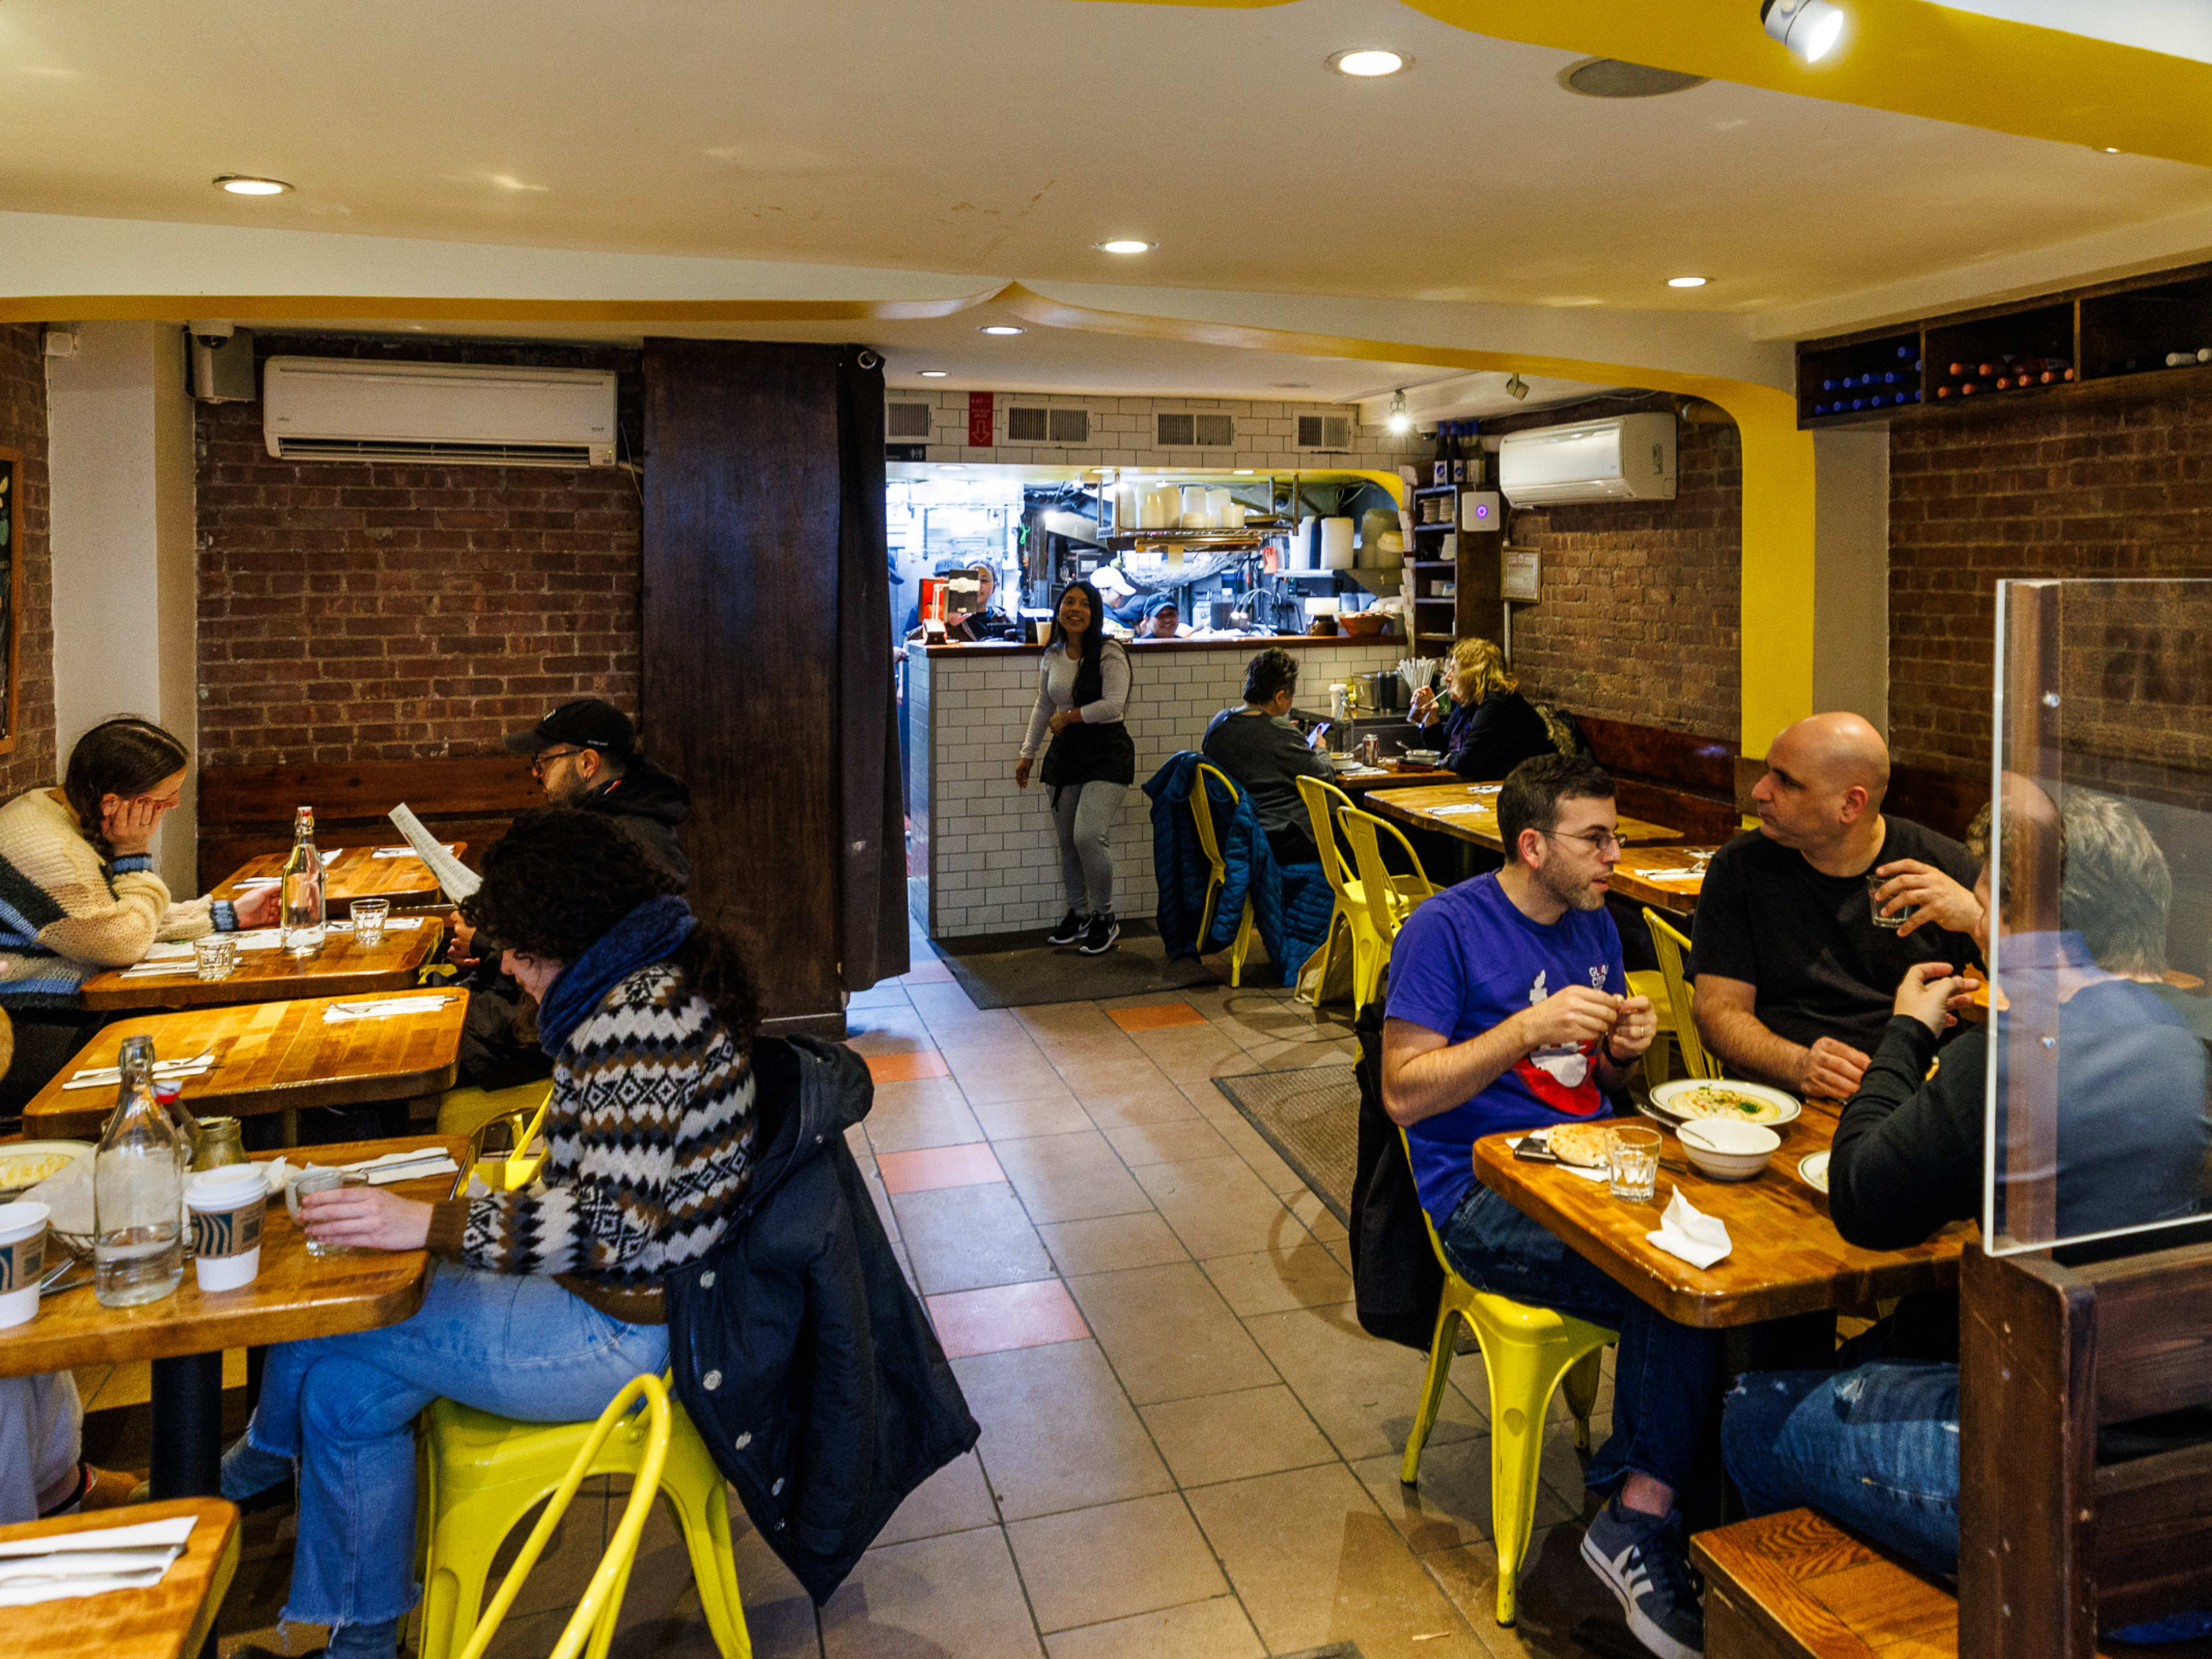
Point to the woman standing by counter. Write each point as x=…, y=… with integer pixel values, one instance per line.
x=1082, y=689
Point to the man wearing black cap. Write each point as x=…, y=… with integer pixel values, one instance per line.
x=585, y=755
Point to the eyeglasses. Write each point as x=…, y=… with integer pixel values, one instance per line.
x=1598, y=841
x=539, y=761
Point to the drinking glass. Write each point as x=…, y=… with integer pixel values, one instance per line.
x=1874, y=885
x=369, y=916
x=320, y=1178
x=216, y=956
x=1633, y=1163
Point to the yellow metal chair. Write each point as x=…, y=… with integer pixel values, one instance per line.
x=1652, y=984
x=1348, y=919
x=1668, y=945
x=1527, y=1353
x=1389, y=899
x=481, y=1474
x=464, y=1111
x=1202, y=816
x=600, y=1605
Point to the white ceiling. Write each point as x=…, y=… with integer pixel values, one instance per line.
x=1004, y=136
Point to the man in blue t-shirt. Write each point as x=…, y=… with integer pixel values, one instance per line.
x=1508, y=1010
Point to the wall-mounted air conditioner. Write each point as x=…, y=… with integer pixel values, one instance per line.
x=339, y=409
x=1623, y=457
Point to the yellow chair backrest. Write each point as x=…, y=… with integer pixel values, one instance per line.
x=1390, y=900
x=1668, y=946
x=1324, y=801
x=601, y=1601
x=1201, y=814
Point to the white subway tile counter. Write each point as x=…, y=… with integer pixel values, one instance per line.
x=985, y=848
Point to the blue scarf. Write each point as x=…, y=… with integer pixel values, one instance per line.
x=653, y=932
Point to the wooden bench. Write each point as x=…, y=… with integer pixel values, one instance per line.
x=246, y=811
x=1675, y=778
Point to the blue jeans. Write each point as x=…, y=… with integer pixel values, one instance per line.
x=344, y=1407
x=1666, y=1377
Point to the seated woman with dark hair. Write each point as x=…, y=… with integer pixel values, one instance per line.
x=1257, y=746
x=544, y=1302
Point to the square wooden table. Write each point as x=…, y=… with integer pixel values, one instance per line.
x=295, y=1296
x=341, y=968
x=1361, y=779
x=1788, y=1257
x=169, y=1620
x=1679, y=898
x=355, y=873
x=269, y=1057
x=1469, y=813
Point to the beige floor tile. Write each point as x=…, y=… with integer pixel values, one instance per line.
x=1106, y=1243
x=1248, y=1144
x=660, y=1614
x=1068, y=1020
x=874, y=1181
x=888, y=1029
x=1359, y=1389
x=1019, y=1120
x=926, y=1112
x=941, y=1001
x=1218, y=1206
x=888, y=995
x=957, y=1499
x=1268, y=1282
x=1058, y=1432
x=1314, y=1562
x=1233, y=1436
x=1168, y=1333
x=1320, y=1220
x=955, y=1594
x=1341, y=1249
x=1088, y=1566
x=1167, y=1143
x=962, y=1238
x=1205, y=1629
x=1128, y=1099
x=1070, y=1177
x=1562, y=1611
x=1451, y=1506
x=1005, y=1070
x=1190, y=1054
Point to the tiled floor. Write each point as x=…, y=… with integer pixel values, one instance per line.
x=1189, y=1448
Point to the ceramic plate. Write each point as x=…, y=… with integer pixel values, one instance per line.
x=21, y=1162
x=1813, y=1167
x=1773, y=1107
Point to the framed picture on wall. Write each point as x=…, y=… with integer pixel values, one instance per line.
x=11, y=588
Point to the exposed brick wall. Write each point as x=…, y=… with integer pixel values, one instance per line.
x=2109, y=490
x=359, y=611
x=1639, y=615
x=30, y=762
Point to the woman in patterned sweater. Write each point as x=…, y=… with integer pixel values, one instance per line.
x=543, y=1303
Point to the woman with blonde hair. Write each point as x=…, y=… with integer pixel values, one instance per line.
x=1487, y=727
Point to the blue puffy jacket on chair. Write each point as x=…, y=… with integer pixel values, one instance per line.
x=1291, y=903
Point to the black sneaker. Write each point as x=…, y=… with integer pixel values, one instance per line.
x=1098, y=938
x=1070, y=929
x=1645, y=1560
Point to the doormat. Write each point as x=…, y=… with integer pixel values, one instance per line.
x=997, y=972
x=1310, y=1115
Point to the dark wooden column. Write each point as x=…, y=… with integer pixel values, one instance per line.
x=740, y=646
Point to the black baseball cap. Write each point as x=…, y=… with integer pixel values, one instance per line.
x=587, y=723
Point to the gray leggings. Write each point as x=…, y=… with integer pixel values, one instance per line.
x=1084, y=814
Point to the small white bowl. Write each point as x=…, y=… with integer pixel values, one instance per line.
x=1727, y=1152
x=1423, y=756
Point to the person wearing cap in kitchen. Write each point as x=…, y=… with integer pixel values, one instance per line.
x=1162, y=620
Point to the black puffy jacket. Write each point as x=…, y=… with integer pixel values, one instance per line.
x=800, y=1353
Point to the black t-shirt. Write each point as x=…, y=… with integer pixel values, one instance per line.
x=1808, y=942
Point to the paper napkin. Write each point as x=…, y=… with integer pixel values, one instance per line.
x=1686, y=1231
x=88, y=1563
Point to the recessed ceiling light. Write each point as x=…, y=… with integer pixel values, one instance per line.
x=1000, y=328
x=1368, y=61
x=935, y=373
x=2108, y=150
x=240, y=184
x=1685, y=281
x=1810, y=29
x=1125, y=245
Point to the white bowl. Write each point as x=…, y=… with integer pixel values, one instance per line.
x=1727, y=1152
x=1345, y=762
x=1425, y=757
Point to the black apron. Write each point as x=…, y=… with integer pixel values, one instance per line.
x=1085, y=754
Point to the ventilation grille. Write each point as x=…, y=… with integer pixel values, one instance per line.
x=454, y=453
x=905, y=420
x=1324, y=432
x=1177, y=431
x=1048, y=426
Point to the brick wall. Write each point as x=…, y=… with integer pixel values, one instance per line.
x=1638, y=618
x=366, y=611
x=2115, y=490
x=30, y=760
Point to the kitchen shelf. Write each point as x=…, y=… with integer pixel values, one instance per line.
x=1434, y=598
x=1440, y=489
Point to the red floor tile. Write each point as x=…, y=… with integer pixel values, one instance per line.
x=1005, y=1317
x=920, y=1171
x=907, y=1066
x=1154, y=1015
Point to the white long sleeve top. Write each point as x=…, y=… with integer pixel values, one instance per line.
x=1056, y=692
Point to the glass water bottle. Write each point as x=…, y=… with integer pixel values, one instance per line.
x=303, y=919
x=138, y=1191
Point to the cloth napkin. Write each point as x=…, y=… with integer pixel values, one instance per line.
x=1686, y=1231
x=88, y=1563
x=339, y=1012
x=381, y=1171
x=409, y=851
x=1668, y=875
x=166, y=1071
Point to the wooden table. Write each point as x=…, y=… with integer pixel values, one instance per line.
x=269, y=1057
x=295, y=1296
x=1788, y=1257
x=355, y=873
x=1358, y=782
x=1678, y=898
x=173, y=1619
x=341, y=969
x=1469, y=813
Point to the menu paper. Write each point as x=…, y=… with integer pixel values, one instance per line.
x=456, y=878
x=76, y=1563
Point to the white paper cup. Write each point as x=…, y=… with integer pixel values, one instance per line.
x=22, y=1261
x=226, y=1207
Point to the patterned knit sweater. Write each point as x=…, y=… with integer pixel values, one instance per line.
x=64, y=916
x=649, y=1138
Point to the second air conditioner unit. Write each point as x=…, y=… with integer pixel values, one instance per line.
x=341, y=408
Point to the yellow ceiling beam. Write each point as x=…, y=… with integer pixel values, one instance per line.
x=388, y=308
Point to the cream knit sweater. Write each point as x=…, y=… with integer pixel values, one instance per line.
x=64, y=916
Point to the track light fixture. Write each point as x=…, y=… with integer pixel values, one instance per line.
x=1516, y=388
x=1401, y=421
x=1809, y=28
